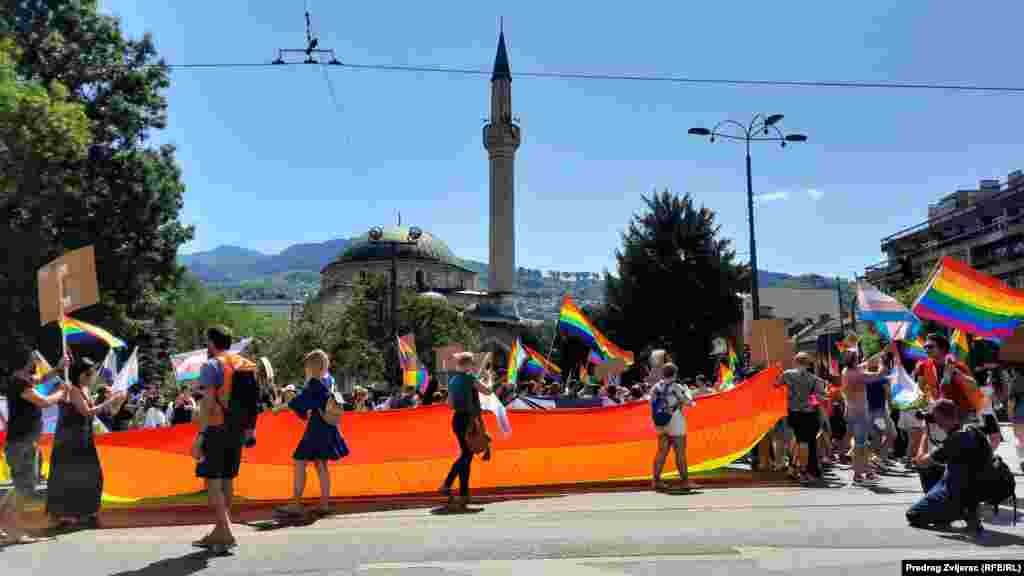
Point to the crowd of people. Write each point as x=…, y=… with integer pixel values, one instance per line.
x=943, y=437
x=848, y=419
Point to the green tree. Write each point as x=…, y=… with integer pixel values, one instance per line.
x=908, y=295
x=676, y=285
x=435, y=324
x=121, y=195
x=42, y=134
x=196, y=308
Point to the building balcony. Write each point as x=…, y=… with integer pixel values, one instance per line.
x=964, y=220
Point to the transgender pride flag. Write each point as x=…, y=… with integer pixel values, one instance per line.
x=893, y=319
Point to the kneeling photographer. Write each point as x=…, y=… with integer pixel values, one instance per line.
x=963, y=451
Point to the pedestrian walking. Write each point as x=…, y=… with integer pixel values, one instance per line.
x=463, y=398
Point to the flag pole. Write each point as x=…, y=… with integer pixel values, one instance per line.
x=60, y=322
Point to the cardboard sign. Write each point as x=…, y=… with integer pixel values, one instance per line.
x=768, y=342
x=67, y=284
x=611, y=368
x=1012, y=349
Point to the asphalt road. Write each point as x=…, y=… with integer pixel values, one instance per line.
x=835, y=530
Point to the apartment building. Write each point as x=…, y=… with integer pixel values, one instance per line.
x=983, y=228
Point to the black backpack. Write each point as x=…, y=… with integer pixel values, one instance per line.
x=994, y=481
x=244, y=406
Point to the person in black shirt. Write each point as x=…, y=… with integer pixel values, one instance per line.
x=950, y=498
x=24, y=426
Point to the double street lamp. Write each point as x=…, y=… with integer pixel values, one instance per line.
x=760, y=129
x=376, y=236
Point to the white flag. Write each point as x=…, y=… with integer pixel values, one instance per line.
x=491, y=403
x=109, y=368
x=129, y=375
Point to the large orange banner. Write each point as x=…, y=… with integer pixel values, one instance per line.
x=410, y=451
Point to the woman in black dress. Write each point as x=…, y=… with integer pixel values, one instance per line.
x=75, y=486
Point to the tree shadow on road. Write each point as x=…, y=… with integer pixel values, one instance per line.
x=180, y=566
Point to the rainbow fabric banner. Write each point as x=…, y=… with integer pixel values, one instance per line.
x=76, y=331
x=549, y=448
x=960, y=297
x=573, y=323
x=734, y=361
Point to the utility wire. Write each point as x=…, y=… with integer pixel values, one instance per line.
x=618, y=77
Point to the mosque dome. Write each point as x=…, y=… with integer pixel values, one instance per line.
x=427, y=247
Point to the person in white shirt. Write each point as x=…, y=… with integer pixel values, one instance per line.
x=672, y=435
x=155, y=417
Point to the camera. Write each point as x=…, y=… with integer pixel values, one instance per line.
x=922, y=415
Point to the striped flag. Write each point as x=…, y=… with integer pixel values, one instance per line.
x=960, y=346
x=892, y=318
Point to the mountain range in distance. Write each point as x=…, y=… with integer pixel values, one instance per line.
x=234, y=265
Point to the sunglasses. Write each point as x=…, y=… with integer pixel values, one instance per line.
x=929, y=346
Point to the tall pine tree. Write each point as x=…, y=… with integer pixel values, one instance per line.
x=676, y=284
x=123, y=195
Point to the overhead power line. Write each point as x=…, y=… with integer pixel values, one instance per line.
x=618, y=77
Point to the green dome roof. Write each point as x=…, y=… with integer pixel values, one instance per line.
x=428, y=247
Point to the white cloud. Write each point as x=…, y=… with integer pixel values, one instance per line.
x=815, y=194
x=772, y=197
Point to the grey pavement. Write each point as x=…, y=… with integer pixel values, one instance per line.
x=835, y=530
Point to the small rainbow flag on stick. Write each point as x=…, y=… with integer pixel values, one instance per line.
x=913, y=350
x=572, y=322
x=78, y=331
x=960, y=346
x=538, y=365
x=960, y=297
x=413, y=374
x=516, y=357
x=726, y=377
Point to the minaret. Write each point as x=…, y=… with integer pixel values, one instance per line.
x=501, y=139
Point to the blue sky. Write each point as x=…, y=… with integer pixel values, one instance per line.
x=270, y=159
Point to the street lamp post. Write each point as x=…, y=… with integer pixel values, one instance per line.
x=761, y=129
x=376, y=236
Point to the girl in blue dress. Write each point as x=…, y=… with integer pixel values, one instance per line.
x=322, y=441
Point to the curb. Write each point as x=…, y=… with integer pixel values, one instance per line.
x=255, y=511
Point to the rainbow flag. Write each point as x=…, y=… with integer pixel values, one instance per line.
x=960, y=346
x=960, y=297
x=572, y=322
x=726, y=376
x=733, y=359
x=538, y=365
x=596, y=358
x=516, y=357
x=78, y=331
x=413, y=373
x=913, y=350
